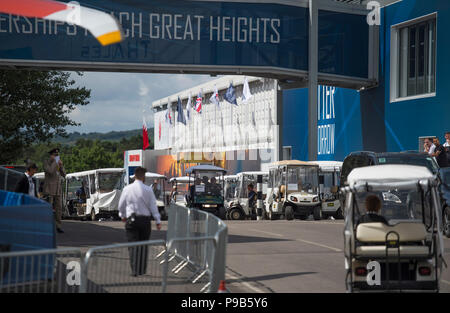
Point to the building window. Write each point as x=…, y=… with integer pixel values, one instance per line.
x=415, y=58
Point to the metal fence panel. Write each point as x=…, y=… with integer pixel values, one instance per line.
x=40, y=271
x=110, y=269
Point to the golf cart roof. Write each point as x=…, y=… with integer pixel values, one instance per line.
x=151, y=175
x=292, y=163
x=205, y=167
x=101, y=170
x=182, y=179
x=228, y=177
x=252, y=173
x=40, y=175
x=391, y=175
x=328, y=165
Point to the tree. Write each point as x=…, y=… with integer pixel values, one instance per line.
x=34, y=107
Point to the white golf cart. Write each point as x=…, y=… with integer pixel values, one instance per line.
x=180, y=189
x=157, y=182
x=401, y=248
x=329, y=174
x=239, y=207
x=293, y=191
x=229, y=189
x=93, y=194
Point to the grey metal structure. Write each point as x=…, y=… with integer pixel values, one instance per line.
x=192, y=259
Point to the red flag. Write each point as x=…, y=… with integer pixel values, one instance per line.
x=145, y=143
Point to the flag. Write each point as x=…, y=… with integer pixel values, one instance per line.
x=215, y=97
x=230, y=95
x=198, y=103
x=145, y=143
x=103, y=26
x=189, y=108
x=246, y=95
x=181, y=117
x=168, y=117
x=159, y=130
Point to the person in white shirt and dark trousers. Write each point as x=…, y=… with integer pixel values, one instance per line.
x=27, y=184
x=137, y=205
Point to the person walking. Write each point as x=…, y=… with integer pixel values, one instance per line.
x=27, y=184
x=136, y=206
x=54, y=170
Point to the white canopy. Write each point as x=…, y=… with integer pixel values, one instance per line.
x=253, y=173
x=150, y=175
x=91, y=172
x=389, y=175
x=182, y=180
x=328, y=165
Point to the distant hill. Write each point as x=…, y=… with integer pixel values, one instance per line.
x=109, y=136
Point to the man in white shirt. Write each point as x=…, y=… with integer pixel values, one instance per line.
x=429, y=146
x=136, y=206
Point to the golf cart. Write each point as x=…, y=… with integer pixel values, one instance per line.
x=329, y=173
x=157, y=182
x=206, y=191
x=229, y=189
x=180, y=189
x=293, y=190
x=405, y=239
x=239, y=207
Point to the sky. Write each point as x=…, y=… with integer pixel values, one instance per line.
x=118, y=99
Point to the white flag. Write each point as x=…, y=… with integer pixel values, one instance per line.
x=189, y=108
x=246, y=95
x=215, y=96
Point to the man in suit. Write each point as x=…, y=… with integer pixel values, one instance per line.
x=54, y=170
x=27, y=184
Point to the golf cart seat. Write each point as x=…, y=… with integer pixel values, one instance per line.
x=372, y=237
x=282, y=192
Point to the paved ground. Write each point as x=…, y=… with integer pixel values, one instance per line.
x=262, y=256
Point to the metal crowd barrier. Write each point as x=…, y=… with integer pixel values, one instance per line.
x=40, y=271
x=9, y=178
x=192, y=259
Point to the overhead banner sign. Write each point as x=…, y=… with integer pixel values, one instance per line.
x=194, y=36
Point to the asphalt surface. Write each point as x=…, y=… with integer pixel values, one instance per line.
x=262, y=256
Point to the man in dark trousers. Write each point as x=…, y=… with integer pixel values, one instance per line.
x=136, y=206
x=27, y=184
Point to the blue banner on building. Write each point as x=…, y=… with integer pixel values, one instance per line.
x=200, y=34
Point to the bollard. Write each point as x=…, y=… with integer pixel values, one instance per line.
x=259, y=204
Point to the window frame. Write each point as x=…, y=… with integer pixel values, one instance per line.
x=395, y=64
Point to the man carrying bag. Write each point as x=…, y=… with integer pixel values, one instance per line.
x=136, y=206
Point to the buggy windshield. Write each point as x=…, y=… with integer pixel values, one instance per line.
x=108, y=182
x=304, y=179
x=409, y=160
x=207, y=187
x=398, y=205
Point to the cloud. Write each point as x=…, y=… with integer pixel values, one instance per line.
x=118, y=100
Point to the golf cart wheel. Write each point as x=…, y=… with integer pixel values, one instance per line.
x=93, y=215
x=339, y=215
x=235, y=214
x=289, y=213
x=446, y=219
x=317, y=213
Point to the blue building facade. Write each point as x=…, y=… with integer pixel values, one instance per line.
x=411, y=99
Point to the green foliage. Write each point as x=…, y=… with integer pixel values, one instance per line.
x=85, y=154
x=35, y=107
